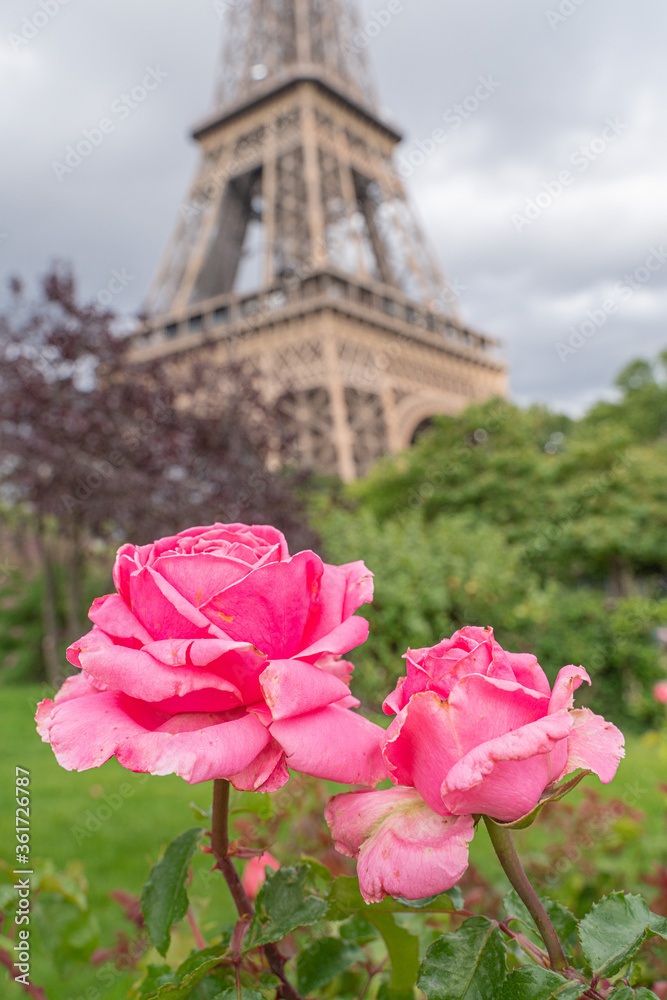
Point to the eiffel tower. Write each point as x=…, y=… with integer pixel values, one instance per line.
x=297, y=252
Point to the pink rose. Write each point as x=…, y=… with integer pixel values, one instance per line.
x=254, y=874
x=477, y=731
x=220, y=657
x=660, y=692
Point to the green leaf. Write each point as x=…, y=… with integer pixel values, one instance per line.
x=450, y=900
x=565, y=922
x=156, y=975
x=614, y=930
x=358, y=929
x=65, y=886
x=325, y=959
x=627, y=993
x=188, y=975
x=318, y=870
x=403, y=949
x=468, y=964
x=203, y=815
x=345, y=899
x=164, y=899
x=245, y=994
x=285, y=901
x=534, y=983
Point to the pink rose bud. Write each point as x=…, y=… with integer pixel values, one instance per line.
x=478, y=730
x=660, y=989
x=254, y=875
x=219, y=656
x=660, y=692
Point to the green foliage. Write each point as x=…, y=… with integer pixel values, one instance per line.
x=552, y=530
x=242, y=994
x=627, y=993
x=325, y=959
x=21, y=628
x=535, y=983
x=345, y=899
x=22, y=595
x=164, y=899
x=163, y=983
x=564, y=922
x=466, y=965
x=615, y=929
x=60, y=911
x=287, y=900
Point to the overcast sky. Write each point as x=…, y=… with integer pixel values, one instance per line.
x=547, y=203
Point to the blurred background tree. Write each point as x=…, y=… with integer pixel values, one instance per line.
x=554, y=530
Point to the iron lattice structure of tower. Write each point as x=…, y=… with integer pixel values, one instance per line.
x=297, y=252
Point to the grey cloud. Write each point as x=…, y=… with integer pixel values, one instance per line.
x=558, y=85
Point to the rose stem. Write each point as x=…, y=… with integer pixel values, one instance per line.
x=509, y=859
x=220, y=848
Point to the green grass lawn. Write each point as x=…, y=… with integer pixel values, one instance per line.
x=139, y=816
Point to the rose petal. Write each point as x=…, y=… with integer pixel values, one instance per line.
x=342, y=669
x=567, y=682
x=85, y=727
x=431, y=735
x=162, y=610
x=113, y=616
x=140, y=675
x=271, y=606
x=506, y=776
x=85, y=730
x=594, y=744
x=404, y=848
x=291, y=687
x=266, y=773
x=199, y=577
x=343, y=590
x=333, y=743
x=431, y=672
x=396, y=701
x=74, y=687
x=197, y=746
x=95, y=639
x=346, y=636
x=528, y=672
x=255, y=536
x=129, y=559
x=420, y=747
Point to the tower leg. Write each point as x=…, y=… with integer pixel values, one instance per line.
x=341, y=428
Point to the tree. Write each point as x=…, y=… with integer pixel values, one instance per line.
x=92, y=447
